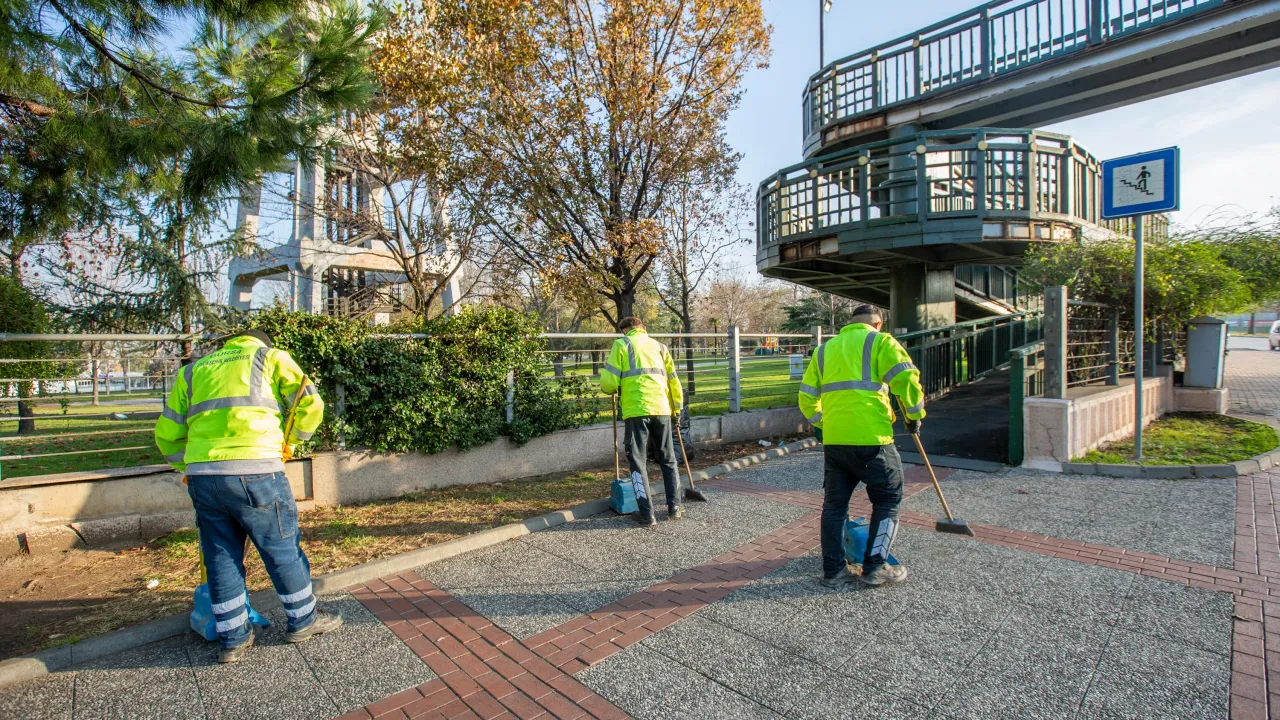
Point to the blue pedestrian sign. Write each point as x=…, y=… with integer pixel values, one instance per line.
x=1140, y=184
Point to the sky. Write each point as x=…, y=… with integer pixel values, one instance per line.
x=1230, y=151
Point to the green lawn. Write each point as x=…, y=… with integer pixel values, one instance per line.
x=1191, y=439
x=82, y=427
x=766, y=383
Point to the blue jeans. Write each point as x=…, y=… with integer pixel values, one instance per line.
x=880, y=467
x=261, y=508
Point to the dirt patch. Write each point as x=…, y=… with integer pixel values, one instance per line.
x=61, y=598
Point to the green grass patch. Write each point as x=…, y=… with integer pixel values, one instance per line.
x=1191, y=439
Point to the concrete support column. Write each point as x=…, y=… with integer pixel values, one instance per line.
x=311, y=290
x=311, y=202
x=921, y=297
x=241, y=293
x=248, y=211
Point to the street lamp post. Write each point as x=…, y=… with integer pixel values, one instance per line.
x=824, y=7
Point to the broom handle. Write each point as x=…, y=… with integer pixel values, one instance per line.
x=617, y=467
x=680, y=438
x=928, y=465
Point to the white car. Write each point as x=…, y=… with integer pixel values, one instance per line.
x=1274, y=336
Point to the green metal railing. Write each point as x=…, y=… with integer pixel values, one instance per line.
x=1026, y=379
x=991, y=40
x=982, y=174
x=957, y=354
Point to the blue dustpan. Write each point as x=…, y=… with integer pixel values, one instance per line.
x=855, y=541
x=622, y=497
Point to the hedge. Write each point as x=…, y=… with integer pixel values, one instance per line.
x=447, y=390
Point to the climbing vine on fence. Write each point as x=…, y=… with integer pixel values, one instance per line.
x=429, y=394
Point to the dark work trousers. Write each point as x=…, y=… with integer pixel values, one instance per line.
x=880, y=467
x=639, y=431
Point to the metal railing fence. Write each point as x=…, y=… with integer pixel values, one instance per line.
x=83, y=424
x=957, y=354
x=936, y=175
x=994, y=39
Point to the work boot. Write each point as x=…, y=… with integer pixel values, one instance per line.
x=646, y=520
x=843, y=579
x=324, y=622
x=884, y=573
x=237, y=653
x=675, y=513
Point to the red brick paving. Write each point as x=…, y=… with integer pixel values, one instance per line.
x=482, y=671
x=1255, y=641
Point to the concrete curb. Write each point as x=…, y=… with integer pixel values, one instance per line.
x=1256, y=464
x=34, y=665
x=746, y=462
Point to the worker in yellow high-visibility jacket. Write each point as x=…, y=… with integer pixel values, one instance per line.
x=641, y=370
x=845, y=393
x=223, y=426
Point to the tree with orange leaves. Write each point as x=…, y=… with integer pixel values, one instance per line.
x=588, y=114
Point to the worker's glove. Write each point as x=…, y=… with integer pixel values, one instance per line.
x=817, y=432
x=913, y=426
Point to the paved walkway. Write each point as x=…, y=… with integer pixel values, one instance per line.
x=1253, y=377
x=1079, y=598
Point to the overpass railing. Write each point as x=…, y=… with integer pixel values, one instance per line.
x=988, y=41
x=939, y=175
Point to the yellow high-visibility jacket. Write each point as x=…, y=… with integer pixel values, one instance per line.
x=846, y=389
x=642, y=369
x=226, y=413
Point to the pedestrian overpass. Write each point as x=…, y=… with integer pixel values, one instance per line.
x=1027, y=64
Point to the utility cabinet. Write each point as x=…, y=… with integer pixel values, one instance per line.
x=1206, y=352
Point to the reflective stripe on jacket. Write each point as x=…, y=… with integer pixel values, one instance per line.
x=226, y=413
x=846, y=389
x=642, y=369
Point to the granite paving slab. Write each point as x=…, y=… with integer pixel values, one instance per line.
x=758, y=671
x=838, y=696
x=50, y=697
x=272, y=681
x=1142, y=677
x=1008, y=679
x=1191, y=616
x=1072, y=588
x=154, y=681
x=1191, y=520
x=652, y=686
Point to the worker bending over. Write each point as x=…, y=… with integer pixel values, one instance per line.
x=845, y=393
x=222, y=427
x=640, y=369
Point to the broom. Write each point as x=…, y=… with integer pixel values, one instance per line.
x=690, y=493
x=949, y=524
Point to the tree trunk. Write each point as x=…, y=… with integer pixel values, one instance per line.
x=688, y=359
x=625, y=303
x=26, y=410
x=1252, y=321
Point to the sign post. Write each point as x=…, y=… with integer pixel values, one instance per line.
x=1135, y=186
